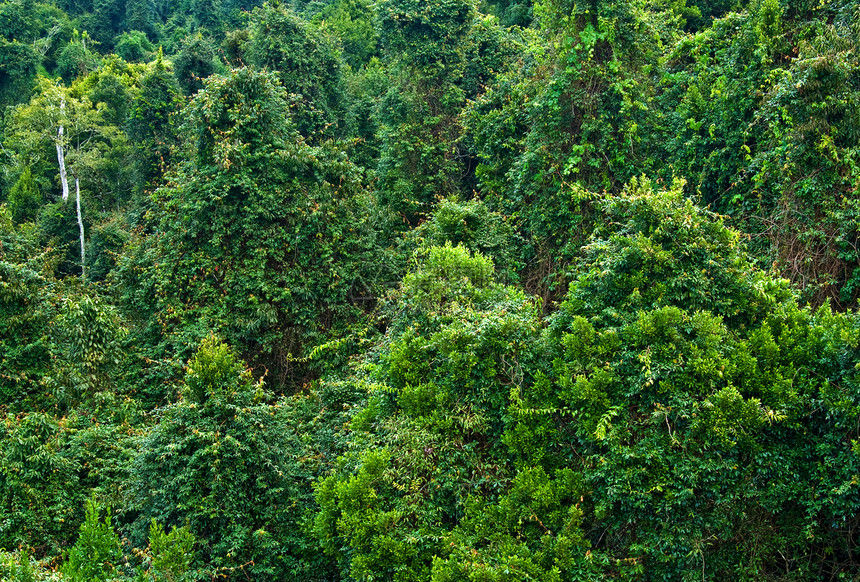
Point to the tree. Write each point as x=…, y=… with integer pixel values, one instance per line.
x=194, y=62
x=170, y=554
x=26, y=310
x=429, y=441
x=139, y=19
x=255, y=234
x=95, y=556
x=668, y=421
x=801, y=177
x=25, y=199
x=56, y=117
x=134, y=47
x=510, y=12
x=472, y=225
x=18, y=67
x=679, y=368
x=112, y=85
x=574, y=115
x=351, y=22
x=152, y=123
x=88, y=336
x=759, y=117
x=424, y=45
x=208, y=15
x=222, y=462
x=304, y=60
x=30, y=35
x=77, y=58
x=710, y=9
x=41, y=497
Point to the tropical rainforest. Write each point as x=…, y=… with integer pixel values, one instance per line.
x=429, y=290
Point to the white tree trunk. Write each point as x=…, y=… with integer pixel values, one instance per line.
x=61, y=158
x=80, y=228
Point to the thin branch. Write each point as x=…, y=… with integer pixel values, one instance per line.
x=61, y=157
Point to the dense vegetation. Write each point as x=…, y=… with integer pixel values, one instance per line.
x=430, y=290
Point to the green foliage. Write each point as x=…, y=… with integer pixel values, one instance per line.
x=472, y=225
x=234, y=47
x=213, y=371
x=169, y=555
x=492, y=541
x=110, y=86
x=21, y=567
x=58, y=229
x=712, y=82
x=761, y=104
x=509, y=12
x=30, y=35
x=669, y=387
x=365, y=88
x=77, y=59
x=651, y=402
x=194, y=62
x=448, y=274
x=351, y=21
x=430, y=34
x=709, y=9
x=806, y=160
x=304, y=60
x=106, y=241
x=18, y=66
x=96, y=554
x=90, y=330
x=225, y=464
x=17, y=568
x=420, y=160
x=664, y=408
x=100, y=20
x=41, y=494
x=593, y=95
x=27, y=305
x=151, y=123
x=260, y=236
x=18, y=21
x=207, y=14
x=89, y=335
x=429, y=439
x=134, y=47
x=140, y=22
x=490, y=52
x=25, y=199
x=658, y=249
x=571, y=117
x=95, y=154
x=768, y=20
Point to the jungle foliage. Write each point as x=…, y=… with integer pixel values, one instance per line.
x=445, y=290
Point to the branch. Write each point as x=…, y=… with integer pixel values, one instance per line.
x=61, y=158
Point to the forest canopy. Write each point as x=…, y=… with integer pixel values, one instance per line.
x=450, y=290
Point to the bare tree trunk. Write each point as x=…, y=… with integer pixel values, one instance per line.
x=80, y=228
x=61, y=158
